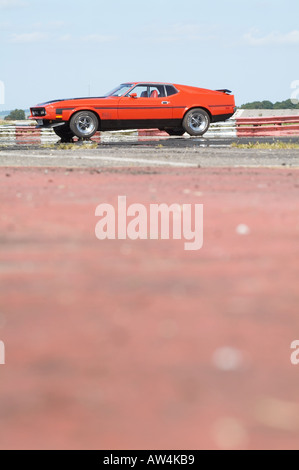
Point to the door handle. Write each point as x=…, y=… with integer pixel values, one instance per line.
x=165, y=102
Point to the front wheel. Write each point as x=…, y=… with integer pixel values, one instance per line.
x=196, y=122
x=84, y=124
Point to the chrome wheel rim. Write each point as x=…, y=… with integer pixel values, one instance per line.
x=198, y=122
x=85, y=124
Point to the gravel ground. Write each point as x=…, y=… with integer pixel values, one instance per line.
x=148, y=155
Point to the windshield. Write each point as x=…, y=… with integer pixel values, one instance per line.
x=120, y=90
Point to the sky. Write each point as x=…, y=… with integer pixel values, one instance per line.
x=55, y=49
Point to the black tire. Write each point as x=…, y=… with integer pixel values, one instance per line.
x=84, y=124
x=196, y=122
x=64, y=133
x=175, y=131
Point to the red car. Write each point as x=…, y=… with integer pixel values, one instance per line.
x=137, y=105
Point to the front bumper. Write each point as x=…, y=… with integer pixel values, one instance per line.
x=47, y=123
x=46, y=117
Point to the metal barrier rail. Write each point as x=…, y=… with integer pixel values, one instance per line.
x=239, y=127
x=268, y=126
x=18, y=133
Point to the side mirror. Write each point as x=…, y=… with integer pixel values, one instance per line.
x=133, y=95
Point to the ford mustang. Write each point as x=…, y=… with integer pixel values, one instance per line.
x=137, y=105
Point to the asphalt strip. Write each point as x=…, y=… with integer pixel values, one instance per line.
x=112, y=159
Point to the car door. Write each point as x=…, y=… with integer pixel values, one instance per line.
x=145, y=106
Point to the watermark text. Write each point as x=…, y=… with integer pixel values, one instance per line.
x=295, y=93
x=154, y=222
x=2, y=353
x=295, y=354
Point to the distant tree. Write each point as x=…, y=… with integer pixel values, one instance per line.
x=258, y=105
x=266, y=104
x=16, y=115
x=287, y=104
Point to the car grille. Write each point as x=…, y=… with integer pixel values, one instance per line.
x=38, y=112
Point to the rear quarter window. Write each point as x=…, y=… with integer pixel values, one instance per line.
x=170, y=90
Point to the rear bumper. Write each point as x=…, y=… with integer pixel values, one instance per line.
x=221, y=117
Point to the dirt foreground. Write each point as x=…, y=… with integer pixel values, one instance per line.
x=123, y=344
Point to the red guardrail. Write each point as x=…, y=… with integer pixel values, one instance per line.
x=27, y=133
x=267, y=126
x=245, y=127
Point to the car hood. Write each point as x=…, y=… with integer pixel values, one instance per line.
x=72, y=99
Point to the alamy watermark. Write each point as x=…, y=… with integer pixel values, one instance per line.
x=2, y=92
x=154, y=222
x=295, y=353
x=295, y=93
x=2, y=353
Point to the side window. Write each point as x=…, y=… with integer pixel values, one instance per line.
x=157, y=91
x=170, y=90
x=141, y=91
x=152, y=91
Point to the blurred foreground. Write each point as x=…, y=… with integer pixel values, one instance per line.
x=140, y=344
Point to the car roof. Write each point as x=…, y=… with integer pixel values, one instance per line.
x=147, y=83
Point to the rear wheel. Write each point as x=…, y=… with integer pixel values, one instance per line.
x=84, y=124
x=175, y=131
x=196, y=122
x=64, y=132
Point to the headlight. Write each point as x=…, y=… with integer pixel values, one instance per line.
x=38, y=112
